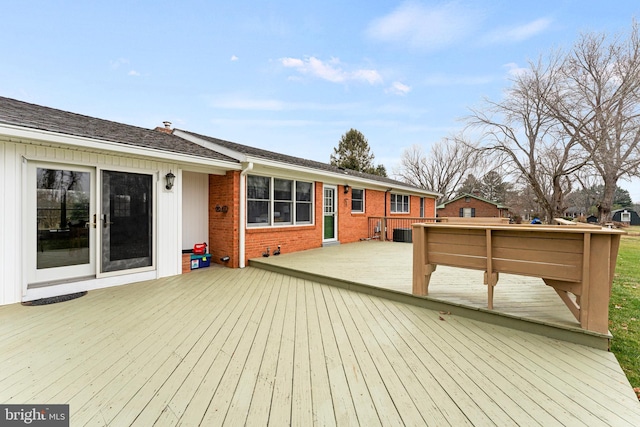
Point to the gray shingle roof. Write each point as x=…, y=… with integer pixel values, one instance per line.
x=297, y=161
x=497, y=204
x=24, y=114
x=19, y=113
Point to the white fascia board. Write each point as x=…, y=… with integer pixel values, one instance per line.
x=335, y=178
x=24, y=135
x=211, y=146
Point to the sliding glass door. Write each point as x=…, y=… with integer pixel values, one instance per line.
x=61, y=222
x=126, y=221
x=66, y=207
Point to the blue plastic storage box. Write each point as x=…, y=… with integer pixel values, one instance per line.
x=200, y=261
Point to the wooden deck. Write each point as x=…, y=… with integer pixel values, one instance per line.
x=253, y=347
x=385, y=269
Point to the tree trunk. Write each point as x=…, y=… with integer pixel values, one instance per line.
x=604, y=206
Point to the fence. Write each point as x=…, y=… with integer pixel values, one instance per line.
x=397, y=229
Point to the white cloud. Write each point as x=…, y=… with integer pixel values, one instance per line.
x=425, y=27
x=292, y=62
x=115, y=64
x=398, y=88
x=518, y=33
x=133, y=73
x=515, y=70
x=331, y=70
x=234, y=58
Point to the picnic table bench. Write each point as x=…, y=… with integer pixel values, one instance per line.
x=577, y=261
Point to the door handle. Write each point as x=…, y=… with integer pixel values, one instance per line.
x=89, y=224
x=105, y=223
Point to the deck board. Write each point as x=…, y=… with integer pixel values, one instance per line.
x=388, y=265
x=348, y=362
x=341, y=394
x=252, y=347
x=398, y=379
x=381, y=396
x=258, y=413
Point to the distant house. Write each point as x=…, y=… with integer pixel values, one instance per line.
x=626, y=216
x=90, y=203
x=592, y=219
x=469, y=205
x=574, y=212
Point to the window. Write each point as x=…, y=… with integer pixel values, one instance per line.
x=399, y=203
x=625, y=216
x=258, y=203
x=283, y=201
x=275, y=201
x=304, y=202
x=357, y=200
x=467, y=212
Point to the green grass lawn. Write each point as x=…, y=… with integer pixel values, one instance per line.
x=624, y=308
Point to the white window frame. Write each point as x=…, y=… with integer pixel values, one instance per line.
x=363, y=198
x=394, y=203
x=272, y=201
x=625, y=216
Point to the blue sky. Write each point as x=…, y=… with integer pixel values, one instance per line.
x=288, y=76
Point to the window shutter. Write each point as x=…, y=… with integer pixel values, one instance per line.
x=461, y=212
x=473, y=212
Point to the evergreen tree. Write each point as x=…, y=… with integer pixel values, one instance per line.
x=471, y=185
x=493, y=187
x=622, y=198
x=353, y=153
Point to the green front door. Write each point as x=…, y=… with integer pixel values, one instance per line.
x=330, y=218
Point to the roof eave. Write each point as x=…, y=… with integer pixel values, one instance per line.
x=342, y=177
x=20, y=134
x=261, y=161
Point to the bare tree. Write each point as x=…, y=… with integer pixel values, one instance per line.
x=443, y=169
x=522, y=131
x=599, y=105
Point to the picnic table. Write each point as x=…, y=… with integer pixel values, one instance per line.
x=577, y=260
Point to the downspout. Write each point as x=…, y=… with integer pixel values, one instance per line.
x=383, y=228
x=248, y=167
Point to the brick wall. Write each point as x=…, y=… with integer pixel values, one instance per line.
x=483, y=209
x=224, y=235
x=353, y=226
x=290, y=238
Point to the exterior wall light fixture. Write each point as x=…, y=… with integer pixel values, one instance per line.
x=170, y=177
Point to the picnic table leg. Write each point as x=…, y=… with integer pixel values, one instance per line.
x=490, y=277
x=490, y=280
x=596, y=282
x=422, y=269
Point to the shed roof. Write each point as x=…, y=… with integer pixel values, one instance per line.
x=496, y=204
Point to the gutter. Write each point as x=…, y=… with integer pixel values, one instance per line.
x=246, y=168
x=313, y=173
x=18, y=134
